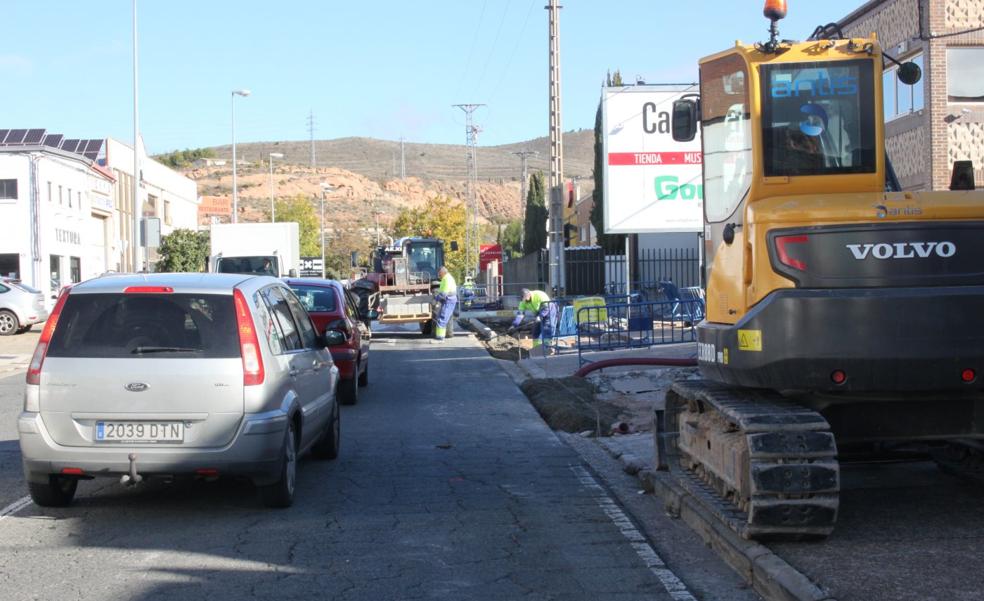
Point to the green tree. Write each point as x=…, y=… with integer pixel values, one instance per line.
x=183, y=158
x=183, y=250
x=442, y=218
x=535, y=226
x=612, y=243
x=511, y=238
x=301, y=209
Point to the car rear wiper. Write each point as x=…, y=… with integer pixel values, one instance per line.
x=143, y=350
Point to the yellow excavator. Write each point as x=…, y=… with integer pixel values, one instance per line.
x=843, y=314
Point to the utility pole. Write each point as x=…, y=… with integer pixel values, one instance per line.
x=524, y=155
x=403, y=159
x=471, y=139
x=135, y=240
x=555, y=208
x=310, y=123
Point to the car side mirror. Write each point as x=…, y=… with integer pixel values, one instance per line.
x=292, y=273
x=334, y=338
x=684, y=120
x=372, y=314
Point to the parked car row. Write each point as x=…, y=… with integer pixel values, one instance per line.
x=190, y=375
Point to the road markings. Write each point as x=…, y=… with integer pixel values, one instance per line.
x=673, y=585
x=14, y=507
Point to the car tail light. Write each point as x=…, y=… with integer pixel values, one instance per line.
x=249, y=344
x=207, y=472
x=782, y=252
x=41, y=350
x=148, y=290
x=72, y=471
x=968, y=375
x=838, y=377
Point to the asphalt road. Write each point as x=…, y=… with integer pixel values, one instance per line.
x=449, y=486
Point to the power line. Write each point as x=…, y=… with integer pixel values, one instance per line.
x=495, y=40
x=471, y=52
x=519, y=40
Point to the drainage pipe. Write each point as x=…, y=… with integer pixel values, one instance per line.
x=652, y=361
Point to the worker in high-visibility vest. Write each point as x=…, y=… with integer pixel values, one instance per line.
x=544, y=311
x=447, y=296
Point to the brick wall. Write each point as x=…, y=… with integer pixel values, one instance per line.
x=908, y=138
x=924, y=145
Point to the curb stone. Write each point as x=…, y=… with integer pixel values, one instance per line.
x=770, y=575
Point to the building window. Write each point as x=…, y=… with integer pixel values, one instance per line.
x=75, y=268
x=54, y=267
x=79, y=198
x=900, y=99
x=965, y=74
x=10, y=265
x=8, y=189
x=70, y=198
x=49, y=191
x=167, y=212
x=61, y=199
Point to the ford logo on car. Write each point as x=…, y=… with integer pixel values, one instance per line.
x=136, y=387
x=903, y=250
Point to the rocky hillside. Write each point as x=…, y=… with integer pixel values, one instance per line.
x=360, y=171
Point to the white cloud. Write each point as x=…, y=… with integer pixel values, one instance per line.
x=15, y=64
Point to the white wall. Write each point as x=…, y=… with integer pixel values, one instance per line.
x=73, y=219
x=160, y=181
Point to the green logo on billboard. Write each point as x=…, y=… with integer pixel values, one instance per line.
x=668, y=187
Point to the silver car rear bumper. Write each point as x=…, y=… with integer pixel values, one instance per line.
x=255, y=452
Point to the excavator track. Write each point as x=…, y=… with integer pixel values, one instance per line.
x=764, y=465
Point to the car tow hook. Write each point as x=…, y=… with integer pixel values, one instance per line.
x=132, y=478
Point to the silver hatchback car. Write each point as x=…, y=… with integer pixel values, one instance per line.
x=20, y=307
x=175, y=375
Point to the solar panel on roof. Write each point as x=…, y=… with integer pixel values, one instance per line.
x=70, y=145
x=94, y=145
x=16, y=136
x=3, y=134
x=53, y=140
x=34, y=136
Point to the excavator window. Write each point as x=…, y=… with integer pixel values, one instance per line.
x=818, y=118
x=727, y=135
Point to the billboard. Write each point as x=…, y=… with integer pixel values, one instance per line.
x=652, y=183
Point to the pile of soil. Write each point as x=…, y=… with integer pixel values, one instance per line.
x=569, y=404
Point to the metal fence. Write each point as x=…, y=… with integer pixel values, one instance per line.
x=590, y=272
x=636, y=325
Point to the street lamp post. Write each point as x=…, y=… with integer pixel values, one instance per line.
x=235, y=192
x=325, y=189
x=273, y=208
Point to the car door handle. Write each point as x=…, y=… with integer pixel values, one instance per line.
x=318, y=365
x=293, y=372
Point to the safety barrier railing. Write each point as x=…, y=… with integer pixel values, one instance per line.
x=636, y=325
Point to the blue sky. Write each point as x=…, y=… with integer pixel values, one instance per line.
x=381, y=69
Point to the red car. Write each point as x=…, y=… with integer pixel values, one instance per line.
x=335, y=312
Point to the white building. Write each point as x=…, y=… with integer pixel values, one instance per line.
x=66, y=209
x=166, y=194
x=56, y=215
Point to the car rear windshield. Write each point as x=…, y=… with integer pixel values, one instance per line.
x=146, y=325
x=315, y=298
x=21, y=286
x=261, y=265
